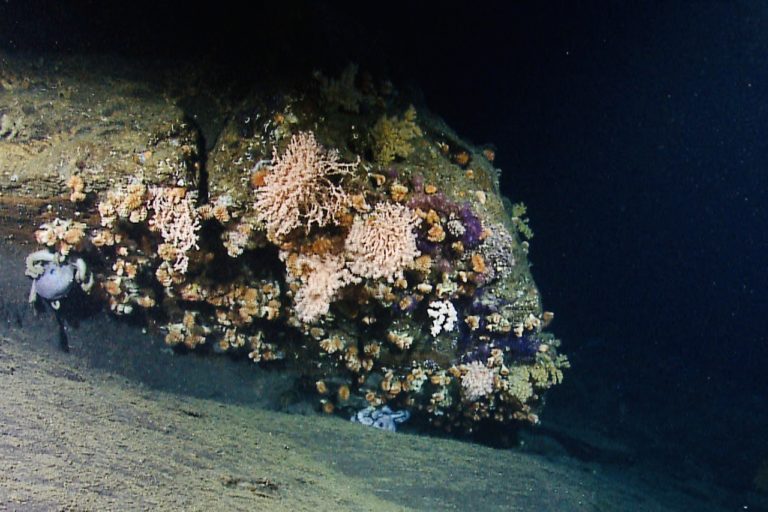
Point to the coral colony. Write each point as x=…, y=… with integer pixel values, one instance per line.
x=353, y=238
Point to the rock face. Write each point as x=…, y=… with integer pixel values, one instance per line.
x=57, y=120
x=331, y=226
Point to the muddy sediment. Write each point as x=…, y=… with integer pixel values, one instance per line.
x=119, y=424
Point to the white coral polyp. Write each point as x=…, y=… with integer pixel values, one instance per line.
x=443, y=316
x=477, y=382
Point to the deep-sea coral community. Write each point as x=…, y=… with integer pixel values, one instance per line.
x=383, y=267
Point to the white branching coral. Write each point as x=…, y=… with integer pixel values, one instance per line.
x=443, y=315
x=177, y=221
x=321, y=278
x=302, y=188
x=383, y=243
x=476, y=381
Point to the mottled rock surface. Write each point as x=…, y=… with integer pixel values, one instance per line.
x=58, y=118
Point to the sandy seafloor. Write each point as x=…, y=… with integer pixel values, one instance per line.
x=122, y=423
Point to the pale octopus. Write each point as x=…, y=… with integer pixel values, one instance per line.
x=53, y=276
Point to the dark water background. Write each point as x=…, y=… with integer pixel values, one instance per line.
x=635, y=132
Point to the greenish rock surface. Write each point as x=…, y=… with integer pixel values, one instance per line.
x=59, y=119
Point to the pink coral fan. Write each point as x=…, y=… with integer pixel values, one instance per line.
x=321, y=278
x=177, y=221
x=383, y=243
x=302, y=188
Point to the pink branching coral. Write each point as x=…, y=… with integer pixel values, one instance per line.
x=302, y=188
x=177, y=221
x=477, y=382
x=383, y=243
x=321, y=278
